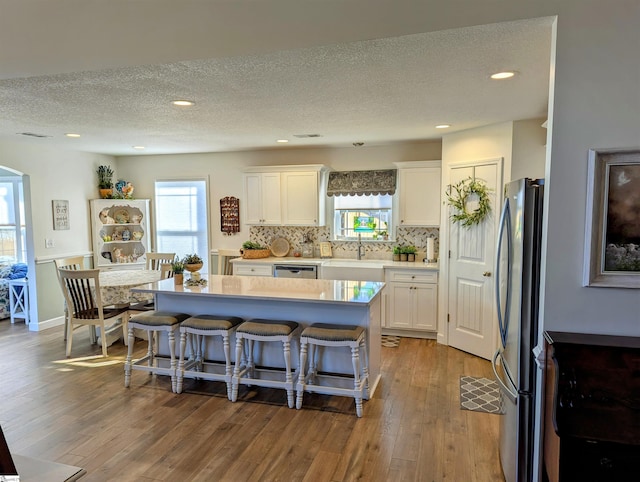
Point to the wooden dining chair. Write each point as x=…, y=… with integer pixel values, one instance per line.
x=224, y=258
x=155, y=260
x=81, y=289
x=166, y=270
x=73, y=263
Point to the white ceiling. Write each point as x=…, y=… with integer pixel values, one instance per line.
x=376, y=91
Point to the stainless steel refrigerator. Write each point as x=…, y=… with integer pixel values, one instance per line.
x=517, y=298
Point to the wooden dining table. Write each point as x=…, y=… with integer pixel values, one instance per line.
x=115, y=285
x=115, y=290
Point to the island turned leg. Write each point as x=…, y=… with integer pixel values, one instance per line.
x=227, y=362
x=355, y=358
x=172, y=354
x=128, y=362
x=301, y=380
x=286, y=346
x=183, y=346
x=365, y=368
x=236, y=370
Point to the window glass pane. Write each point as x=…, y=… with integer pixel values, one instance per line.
x=181, y=218
x=12, y=235
x=363, y=202
x=368, y=217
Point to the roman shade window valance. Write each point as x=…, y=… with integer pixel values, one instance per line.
x=361, y=183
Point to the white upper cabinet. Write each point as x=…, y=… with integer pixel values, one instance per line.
x=285, y=195
x=301, y=199
x=262, y=192
x=419, y=193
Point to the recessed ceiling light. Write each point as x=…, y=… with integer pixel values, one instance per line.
x=183, y=103
x=70, y=134
x=443, y=126
x=503, y=75
x=138, y=147
x=282, y=141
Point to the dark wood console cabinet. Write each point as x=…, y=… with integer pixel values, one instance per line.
x=592, y=408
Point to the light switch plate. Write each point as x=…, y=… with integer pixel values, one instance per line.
x=48, y=243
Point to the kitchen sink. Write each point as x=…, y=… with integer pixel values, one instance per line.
x=352, y=269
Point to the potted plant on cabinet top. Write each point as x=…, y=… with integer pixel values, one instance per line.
x=252, y=250
x=105, y=181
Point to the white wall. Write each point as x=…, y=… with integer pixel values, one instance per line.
x=55, y=174
x=224, y=171
x=483, y=143
x=597, y=104
x=528, y=152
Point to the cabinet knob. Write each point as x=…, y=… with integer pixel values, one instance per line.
x=413, y=277
x=486, y=274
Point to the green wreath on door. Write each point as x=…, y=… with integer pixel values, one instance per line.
x=458, y=195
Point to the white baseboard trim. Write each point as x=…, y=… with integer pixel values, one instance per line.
x=429, y=335
x=50, y=323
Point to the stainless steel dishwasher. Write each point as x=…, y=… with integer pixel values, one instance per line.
x=307, y=271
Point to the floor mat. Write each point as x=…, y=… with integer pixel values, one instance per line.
x=479, y=395
x=390, y=341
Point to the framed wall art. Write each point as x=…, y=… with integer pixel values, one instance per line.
x=325, y=249
x=612, y=235
x=60, y=214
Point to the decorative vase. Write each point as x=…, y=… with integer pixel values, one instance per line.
x=192, y=268
x=106, y=193
x=403, y=256
x=178, y=278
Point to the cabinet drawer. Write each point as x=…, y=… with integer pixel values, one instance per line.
x=412, y=276
x=253, y=270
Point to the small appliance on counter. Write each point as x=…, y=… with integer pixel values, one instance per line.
x=307, y=246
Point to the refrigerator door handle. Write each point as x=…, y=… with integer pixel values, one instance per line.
x=512, y=394
x=505, y=223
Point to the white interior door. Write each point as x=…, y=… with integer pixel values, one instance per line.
x=472, y=314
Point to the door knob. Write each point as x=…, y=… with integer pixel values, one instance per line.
x=486, y=274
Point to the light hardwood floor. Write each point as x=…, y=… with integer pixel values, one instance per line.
x=76, y=411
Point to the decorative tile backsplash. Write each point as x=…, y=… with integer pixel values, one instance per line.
x=346, y=249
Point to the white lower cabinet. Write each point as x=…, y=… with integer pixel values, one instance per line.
x=412, y=300
x=257, y=269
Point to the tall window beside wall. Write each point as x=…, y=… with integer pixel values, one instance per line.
x=181, y=218
x=12, y=226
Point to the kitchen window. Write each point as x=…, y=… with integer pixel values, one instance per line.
x=181, y=218
x=363, y=204
x=367, y=217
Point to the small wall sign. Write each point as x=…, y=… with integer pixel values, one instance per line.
x=60, y=214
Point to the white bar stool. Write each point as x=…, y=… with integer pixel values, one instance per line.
x=323, y=334
x=154, y=322
x=246, y=373
x=201, y=327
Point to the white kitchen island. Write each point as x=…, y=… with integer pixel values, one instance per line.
x=303, y=300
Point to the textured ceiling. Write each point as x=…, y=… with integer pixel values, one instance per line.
x=374, y=91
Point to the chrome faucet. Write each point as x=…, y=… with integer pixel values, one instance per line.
x=360, y=247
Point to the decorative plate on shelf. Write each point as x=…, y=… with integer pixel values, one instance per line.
x=121, y=216
x=280, y=247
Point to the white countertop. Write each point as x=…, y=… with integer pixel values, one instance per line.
x=260, y=287
x=363, y=263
